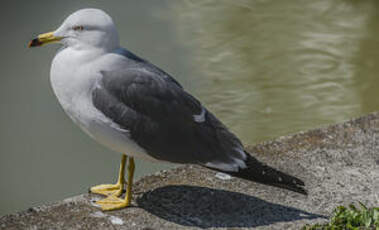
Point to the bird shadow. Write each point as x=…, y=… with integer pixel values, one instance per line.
x=205, y=207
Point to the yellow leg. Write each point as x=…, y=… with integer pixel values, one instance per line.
x=112, y=202
x=128, y=196
x=113, y=189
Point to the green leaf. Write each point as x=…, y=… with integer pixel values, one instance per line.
x=362, y=206
x=350, y=218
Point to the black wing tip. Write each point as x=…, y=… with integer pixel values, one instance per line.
x=283, y=181
x=300, y=190
x=303, y=191
x=259, y=172
x=293, y=187
x=290, y=183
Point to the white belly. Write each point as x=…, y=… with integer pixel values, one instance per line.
x=73, y=86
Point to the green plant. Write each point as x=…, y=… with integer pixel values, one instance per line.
x=350, y=218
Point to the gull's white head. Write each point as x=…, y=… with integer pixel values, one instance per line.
x=84, y=29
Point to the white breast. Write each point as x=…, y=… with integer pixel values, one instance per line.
x=73, y=76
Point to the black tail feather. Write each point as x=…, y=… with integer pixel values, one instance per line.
x=261, y=173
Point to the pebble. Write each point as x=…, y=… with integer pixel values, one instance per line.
x=115, y=220
x=223, y=176
x=98, y=214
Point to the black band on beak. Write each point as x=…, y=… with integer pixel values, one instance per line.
x=34, y=43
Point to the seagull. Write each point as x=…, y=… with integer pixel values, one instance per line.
x=135, y=108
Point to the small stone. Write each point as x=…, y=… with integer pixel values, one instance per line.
x=98, y=214
x=115, y=220
x=223, y=176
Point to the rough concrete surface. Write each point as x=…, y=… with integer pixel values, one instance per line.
x=339, y=163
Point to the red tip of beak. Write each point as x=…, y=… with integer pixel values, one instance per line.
x=35, y=42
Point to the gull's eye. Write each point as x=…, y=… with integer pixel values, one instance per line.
x=78, y=28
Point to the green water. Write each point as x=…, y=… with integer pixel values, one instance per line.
x=265, y=67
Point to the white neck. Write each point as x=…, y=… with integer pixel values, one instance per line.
x=71, y=76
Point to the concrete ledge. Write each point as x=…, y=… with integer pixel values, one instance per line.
x=339, y=163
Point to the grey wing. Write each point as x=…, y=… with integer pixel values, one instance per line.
x=165, y=120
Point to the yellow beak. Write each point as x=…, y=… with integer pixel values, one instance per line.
x=43, y=39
